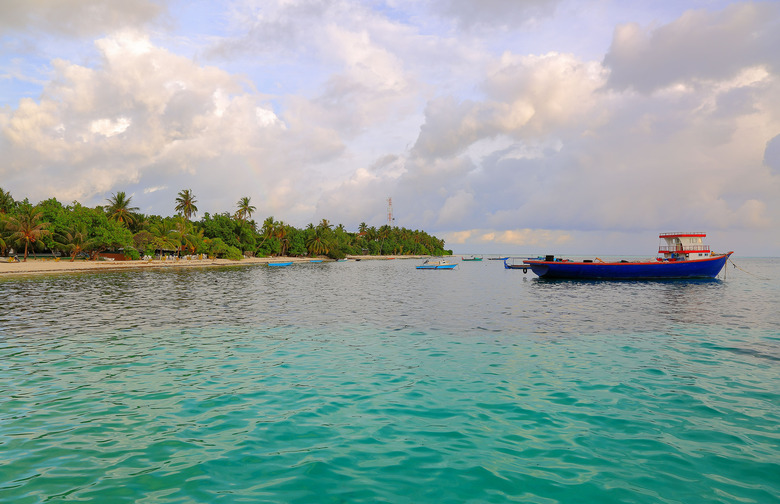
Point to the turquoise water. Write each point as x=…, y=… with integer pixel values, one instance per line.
x=374, y=382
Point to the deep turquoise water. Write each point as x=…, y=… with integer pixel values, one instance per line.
x=374, y=382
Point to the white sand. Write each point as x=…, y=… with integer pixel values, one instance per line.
x=47, y=266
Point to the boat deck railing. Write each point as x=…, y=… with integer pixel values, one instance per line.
x=683, y=248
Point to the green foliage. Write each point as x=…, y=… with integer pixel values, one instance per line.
x=165, y=237
x=221, y=226
x=73, y=240
x=216, y=247
x=142, y=241
x=7, y=203
x=269, y=247
x=132, y=254
x=108, y=234
x=233, y=254
x=336, y=254
x=297, y=241
x=74, y=229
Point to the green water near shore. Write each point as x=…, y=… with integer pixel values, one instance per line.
x=319, y=384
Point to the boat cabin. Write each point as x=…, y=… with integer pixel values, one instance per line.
x=683, y=246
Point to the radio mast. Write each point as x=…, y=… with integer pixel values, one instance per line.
x=390, y=218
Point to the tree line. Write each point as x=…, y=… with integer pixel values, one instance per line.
x=76, y=230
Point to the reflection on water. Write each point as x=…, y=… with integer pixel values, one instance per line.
x=389, y=295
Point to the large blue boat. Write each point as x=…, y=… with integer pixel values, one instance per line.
x=683, y=255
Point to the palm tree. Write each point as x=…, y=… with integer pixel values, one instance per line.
x=185, y=231
x=27, y=228
x=74, y=240
x=119, y=209
x=268, y=229
x=317, y=243
x=245, y=209
x=280, y=233
x=185, y=204
x=164, y=236
x=6, y=201
x=3, y=245
x=384, y=233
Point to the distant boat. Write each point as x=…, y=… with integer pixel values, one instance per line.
x=515, y=265
x=683, y=256
x=280, y=263
x=432, y=264
x=315, y=261
x=471, y=258
x=500, y=258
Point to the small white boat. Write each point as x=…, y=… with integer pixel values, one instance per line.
x=437, y=264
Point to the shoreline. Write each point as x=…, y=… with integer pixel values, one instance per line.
x=52, y=266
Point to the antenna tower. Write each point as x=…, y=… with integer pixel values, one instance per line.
x=390, y=218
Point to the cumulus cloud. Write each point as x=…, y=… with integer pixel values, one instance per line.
x=772, y=155
x=520, y=238
x=147, y=114
x=76, y=17
x=525, y=97
x=494, y=14
x=331, y=107
x=700, y=45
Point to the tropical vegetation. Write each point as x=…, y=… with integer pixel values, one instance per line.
x=75, y=230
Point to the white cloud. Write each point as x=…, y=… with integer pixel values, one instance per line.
x=456, y=208
x=324, y=109
x=526, y=96
x=107, y=127
x=76, y=17
x=700, y=45
x=147, y=114
x=495, y=14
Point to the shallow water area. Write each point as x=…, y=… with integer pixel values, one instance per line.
x=374, y=382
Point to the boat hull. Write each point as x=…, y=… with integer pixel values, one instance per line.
x=648, y=270
x=437, y=266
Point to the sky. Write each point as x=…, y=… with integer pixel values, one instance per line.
x=501, y=126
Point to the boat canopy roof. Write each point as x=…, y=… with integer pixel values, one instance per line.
x=680, y=234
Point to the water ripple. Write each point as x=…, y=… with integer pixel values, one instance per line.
x=368, y=382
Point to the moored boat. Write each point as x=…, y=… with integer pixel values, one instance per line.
x=432, y=264
x=280, y=263
x=471, y=258
x=515, y=265
x=683, y=255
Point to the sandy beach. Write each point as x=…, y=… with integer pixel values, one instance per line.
x=50, y=266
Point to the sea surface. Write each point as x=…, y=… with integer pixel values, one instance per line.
x=371, y=381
